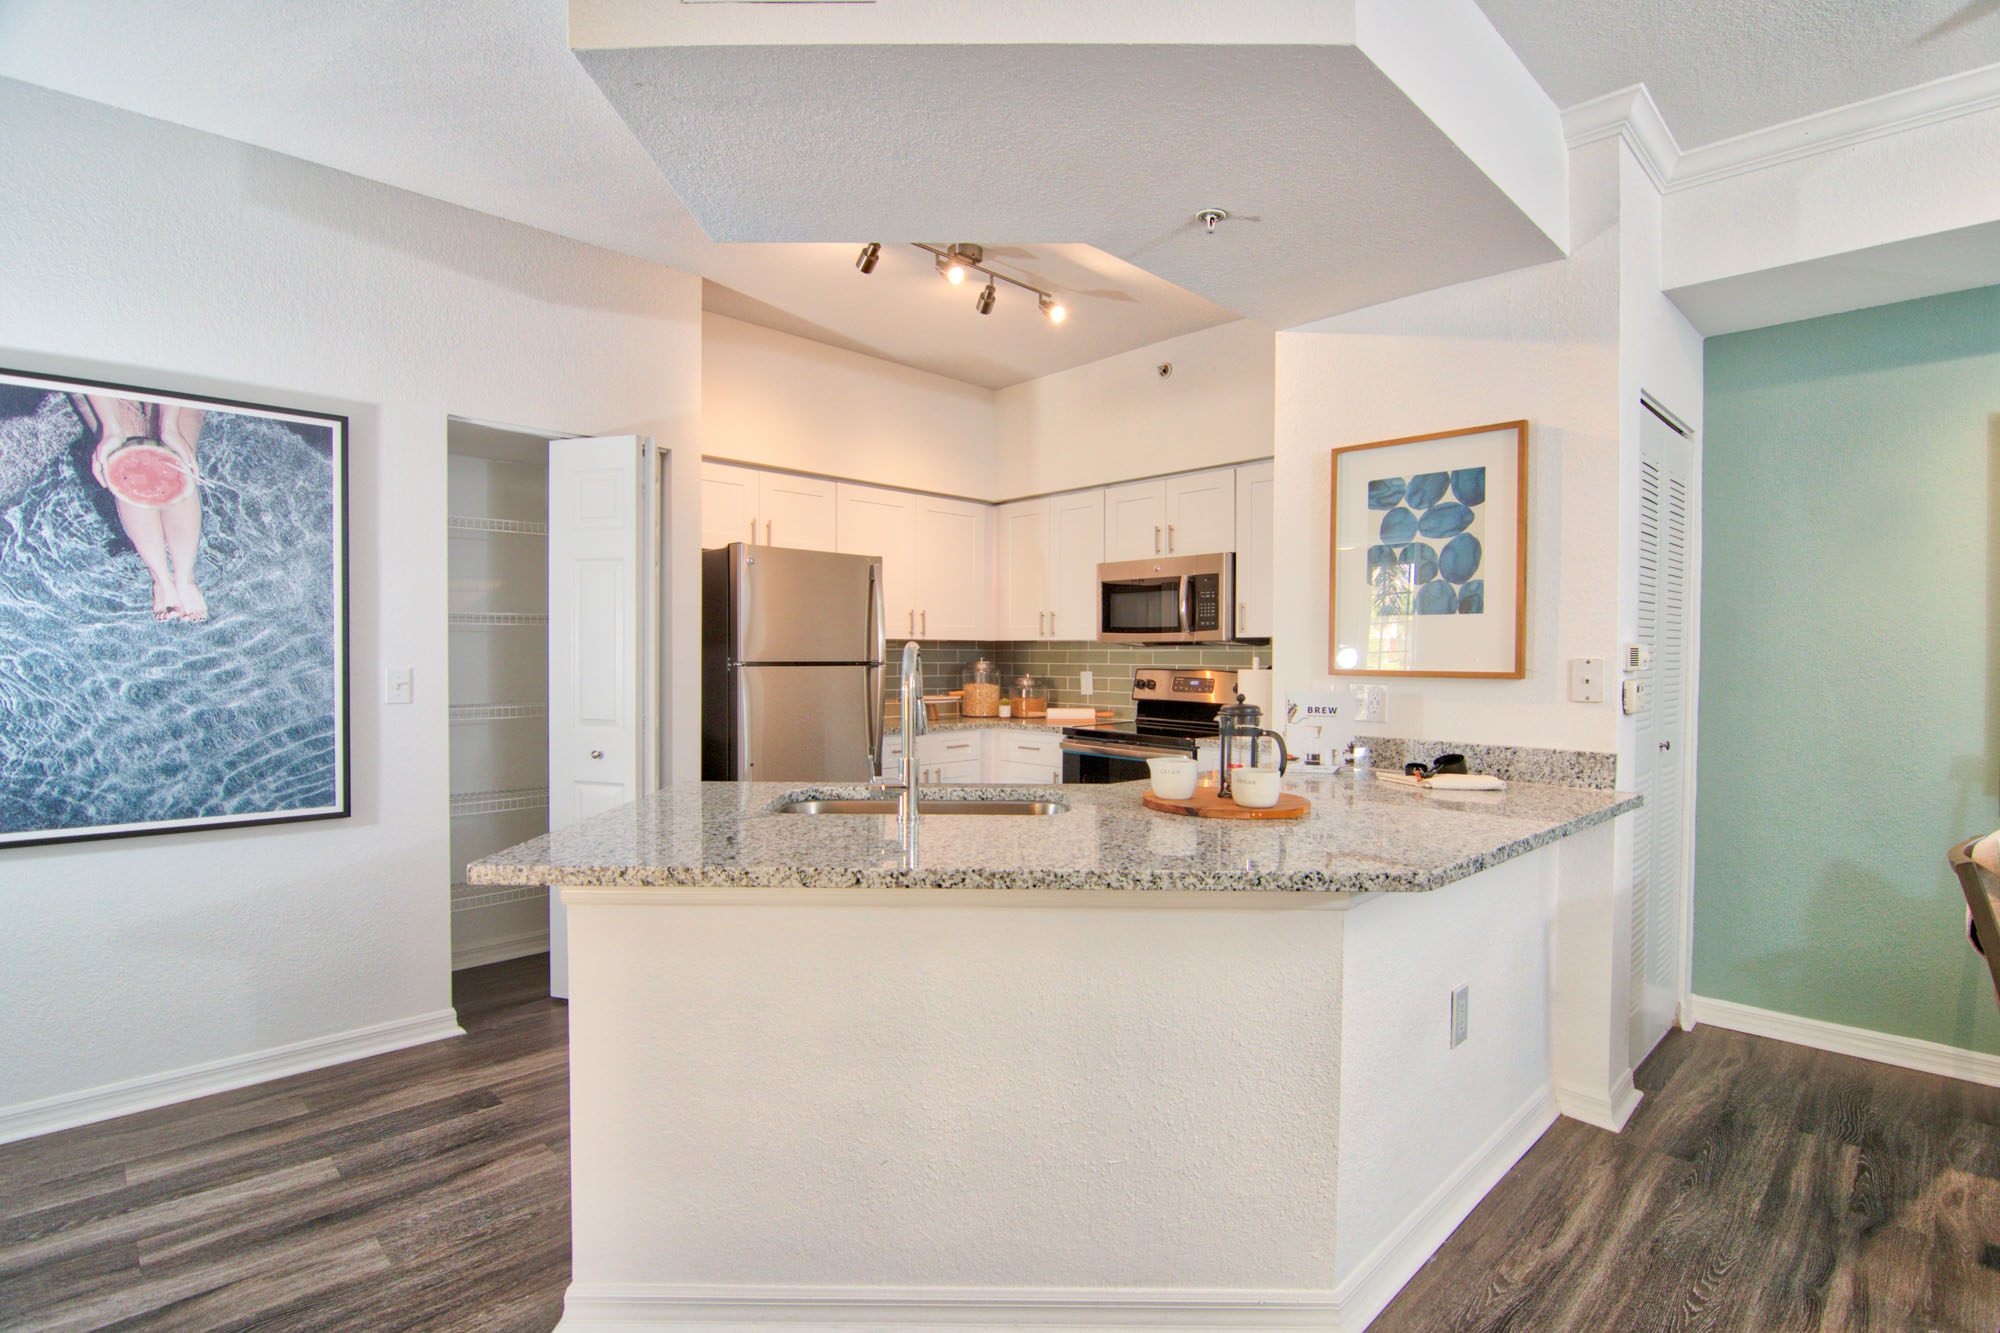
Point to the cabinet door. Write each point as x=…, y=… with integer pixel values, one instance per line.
x=1076, y=524
x=873, y=521
x=1135, y=520
x=1024, y=570
x=1013, y=772
x=728, y=505
x=1256, y=502
x=796, y=511
x=954, y=573
x=1201, y=512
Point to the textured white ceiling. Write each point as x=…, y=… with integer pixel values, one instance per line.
x=1344, y=192
x=1719, y=68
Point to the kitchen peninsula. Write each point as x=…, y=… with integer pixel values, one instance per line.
x=1098, y=1067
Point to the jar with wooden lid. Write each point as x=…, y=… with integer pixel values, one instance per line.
x=1031, y=698
x=980, y=692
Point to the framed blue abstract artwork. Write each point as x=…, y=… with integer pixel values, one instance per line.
x=173, y=605
x=1430, y=549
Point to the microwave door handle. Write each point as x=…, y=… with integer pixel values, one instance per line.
x=1187, y=605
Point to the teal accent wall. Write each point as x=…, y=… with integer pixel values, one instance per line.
x=1850, y=623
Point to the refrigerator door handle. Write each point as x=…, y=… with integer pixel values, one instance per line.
x=873, y=678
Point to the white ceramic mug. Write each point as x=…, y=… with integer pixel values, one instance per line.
x=1173, y=776
x=1255, y=788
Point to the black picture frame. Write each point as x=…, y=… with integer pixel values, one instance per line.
x=138, y=697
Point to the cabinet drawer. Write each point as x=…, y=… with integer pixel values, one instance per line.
x=1026, y=747
x=959, y=771
x=947, y=747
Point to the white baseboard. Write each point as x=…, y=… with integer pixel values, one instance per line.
x=1605, y=1110
x=1363, y=1293
x=1928, y=1057
x=70, y=1109
x=478, y=953
x=679, y=1308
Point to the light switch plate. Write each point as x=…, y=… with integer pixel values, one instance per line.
x=1586, y=680
x=399, y=687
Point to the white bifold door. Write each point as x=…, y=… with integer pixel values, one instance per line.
x=603, y=504
x=1668, y=522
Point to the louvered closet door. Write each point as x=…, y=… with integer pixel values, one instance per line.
x=1659, y=827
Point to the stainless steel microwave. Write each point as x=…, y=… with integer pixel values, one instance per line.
x=1169, y=599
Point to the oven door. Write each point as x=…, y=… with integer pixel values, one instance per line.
x=1102, y=762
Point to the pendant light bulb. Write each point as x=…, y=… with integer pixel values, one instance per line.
x=1053, y=309
x=870, y=253
x=950, y=269
x=985, y=303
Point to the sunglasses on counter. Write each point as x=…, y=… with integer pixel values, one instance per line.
x=1444, y=763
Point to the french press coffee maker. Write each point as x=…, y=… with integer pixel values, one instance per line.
x=1240, y=729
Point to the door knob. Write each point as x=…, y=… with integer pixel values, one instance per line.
x=1666, y=745
x=597, y=754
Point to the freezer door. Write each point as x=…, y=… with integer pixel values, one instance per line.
x=805, y=723
x=804, y=606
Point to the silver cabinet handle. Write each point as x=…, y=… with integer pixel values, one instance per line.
x=913, y=622
x=767, y=532
x=753, y=532
x=1241, y=614
x=1170, y=539
x=923, y=624
x=1156, y=539
x=597, y=754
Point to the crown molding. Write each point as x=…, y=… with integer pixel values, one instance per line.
x=1943, y=99
x=1630, y=114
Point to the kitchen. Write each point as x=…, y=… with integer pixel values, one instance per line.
x=238, y=924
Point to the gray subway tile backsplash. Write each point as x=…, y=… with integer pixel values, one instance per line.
x=1058, y=664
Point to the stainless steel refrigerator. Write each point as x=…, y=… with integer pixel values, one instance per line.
x=791, y=665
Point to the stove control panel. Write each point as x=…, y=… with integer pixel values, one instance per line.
x=1206, y=687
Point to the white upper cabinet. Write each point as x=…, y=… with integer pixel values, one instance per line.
x=747, y=504
x=728, y=505
x=796, y=511
x=1049, y=550
x=1201, y=512
x=1076, y=524
x=1135, y=520
x=1025, y=569
x=1256, y=503
x=878, y=522
x=1192, y=514
x=954, y=568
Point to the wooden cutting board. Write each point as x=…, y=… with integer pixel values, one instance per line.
x=1205, y=804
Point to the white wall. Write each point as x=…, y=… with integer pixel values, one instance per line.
x=1116, y=419
x=154, y=255
x=783, y=401
x=1540, y=343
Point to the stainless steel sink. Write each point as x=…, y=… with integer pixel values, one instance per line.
x=936, y=807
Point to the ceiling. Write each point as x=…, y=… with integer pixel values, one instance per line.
x=1720, y=68
x=481, y=103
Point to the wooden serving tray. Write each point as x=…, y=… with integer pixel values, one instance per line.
x=1205, y=804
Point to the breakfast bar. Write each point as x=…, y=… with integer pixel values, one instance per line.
x=1100, y=1066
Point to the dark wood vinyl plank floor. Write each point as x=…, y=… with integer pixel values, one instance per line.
x=1760, y=1187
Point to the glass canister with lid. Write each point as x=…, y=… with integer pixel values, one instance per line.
x=1031, y=698
x=980, y=692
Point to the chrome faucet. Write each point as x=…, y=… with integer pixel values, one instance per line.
x=911, y=694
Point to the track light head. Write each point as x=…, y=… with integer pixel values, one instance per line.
x=869, y=254
x=1053, y=309
x=985, y=303
x=950, y=269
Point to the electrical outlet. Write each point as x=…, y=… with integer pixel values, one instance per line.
x=1371, y=702
x=1087, y=683
x=1461, y=1005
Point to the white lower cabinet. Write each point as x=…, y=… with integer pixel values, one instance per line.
x=1024, y=756
x=976, y=755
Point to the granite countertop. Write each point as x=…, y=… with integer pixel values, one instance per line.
x=1362, y=836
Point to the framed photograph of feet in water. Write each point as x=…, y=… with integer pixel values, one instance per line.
x=173, y=612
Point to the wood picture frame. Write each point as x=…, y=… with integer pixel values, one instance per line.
x=1428, y=555
x=173, y=594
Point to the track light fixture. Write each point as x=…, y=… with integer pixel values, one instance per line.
x=953, y=262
